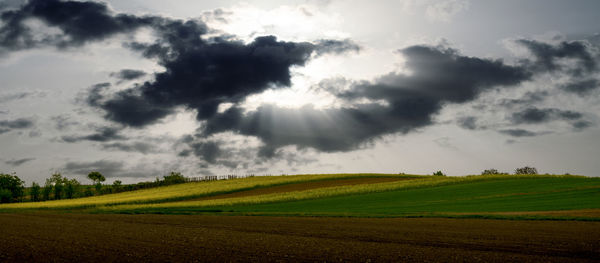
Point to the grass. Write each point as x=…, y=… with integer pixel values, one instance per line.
x=185, y=191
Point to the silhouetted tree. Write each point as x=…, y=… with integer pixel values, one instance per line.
x=58, y=182
x=489, y=171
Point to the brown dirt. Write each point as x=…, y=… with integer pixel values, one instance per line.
x=303, y=186
x=568, y=213
x=46, y=237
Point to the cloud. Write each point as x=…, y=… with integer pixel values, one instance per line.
x=63, y=122
x=128, y=74
x=581, y=87
x=535, y=115
x=521, y=133
x=109, y=169
x=445, y=10
x=17, y=124
x=529, y=98
x=225, y=71
x=79, y=23
x=18, y=162
x=468, y=122
x=396, y=103
x=20, y=95
x=103, y=134
x=552, y=58
x=141, y=147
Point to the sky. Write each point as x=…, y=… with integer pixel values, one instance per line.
x=136, y=89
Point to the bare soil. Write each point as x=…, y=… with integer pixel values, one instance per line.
x=303, y=186
x=53, y=237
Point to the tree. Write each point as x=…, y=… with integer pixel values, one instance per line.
x=71, y=187
x=11, y=188
x=439, y=173
x=48, y=186
x=526, y=170
x=117, y=186
x=490, y=171
x=58, y=182
x=98, y=178
x=35, y=192
x=174, y=178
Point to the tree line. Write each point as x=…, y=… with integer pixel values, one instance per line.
x=56, y=187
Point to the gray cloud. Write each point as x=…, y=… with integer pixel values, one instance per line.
x=18, y=162
x=128, y=74
x=20, y=95
x=581, y=87
x=521, y=133
x=535, y=115
x=109, y=169
x=548, y=56
x=141, y=147
x=529, y=98
x=103, y=134
x=439, y=75
x=17, y=124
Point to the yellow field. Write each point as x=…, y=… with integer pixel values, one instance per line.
x=186, y=191
x=423, y=181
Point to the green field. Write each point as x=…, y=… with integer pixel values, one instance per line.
x=490, y=196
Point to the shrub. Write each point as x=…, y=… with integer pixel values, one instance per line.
x=5, y=195
x=526, y=170
x=439, y=173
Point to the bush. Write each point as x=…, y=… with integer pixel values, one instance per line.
x=439, y=173
x=526, y=170
x=12, y=188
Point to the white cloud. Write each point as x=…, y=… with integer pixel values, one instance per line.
x=445, y=10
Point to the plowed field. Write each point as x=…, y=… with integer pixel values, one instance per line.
x=46, y=237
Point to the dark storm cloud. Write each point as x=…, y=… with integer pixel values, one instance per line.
x=548, y=57
x=535, y=115
x=103, y=134
x=80, y=22
x=18, y=162
x=17, y=124
x=223, y=71
x=128, y=74
x=141, y=147
x=581, y=87
x=439, y=76
x=521, y=133
x=106, y=167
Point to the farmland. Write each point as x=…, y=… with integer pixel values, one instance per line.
x=348, y=217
